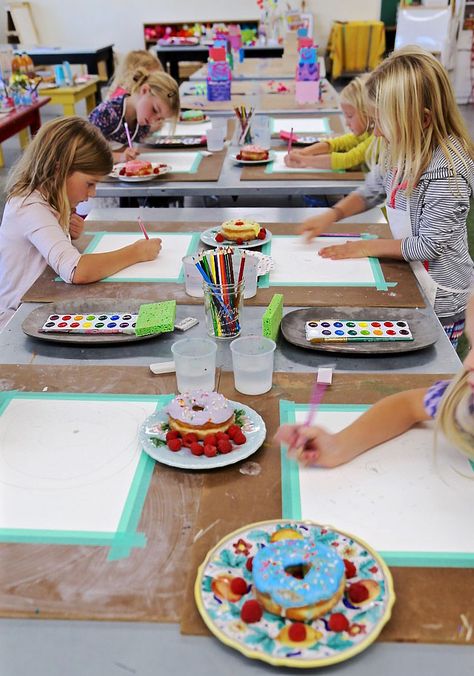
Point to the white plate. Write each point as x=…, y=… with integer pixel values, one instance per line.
x=206, y=118
x=265, y=263
x=253, y=428
x=138, y=179
x=209, y=237
x=270, y=158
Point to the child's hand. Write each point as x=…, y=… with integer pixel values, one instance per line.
x=147, y=249
x=346, y=250
x=295, y=159
x=76, y=226
x=129, y=154
x=311, y=445
x=315, y=225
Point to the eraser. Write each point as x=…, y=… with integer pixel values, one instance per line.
x=324, y=375
x=163, y=367
x=156, y=318
x=186, y=323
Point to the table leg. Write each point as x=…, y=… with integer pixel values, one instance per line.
x=69, y=109
x=35, y=123
x=24, y=138
x=2, y=162
x=90, y=103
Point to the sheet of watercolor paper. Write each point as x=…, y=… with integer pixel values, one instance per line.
x=308, y=125
x=297, y=262
x=278, y=166
x=400, y=496
x=186, y=129
x=168, y=264
x=182, y=161
x=68, y=465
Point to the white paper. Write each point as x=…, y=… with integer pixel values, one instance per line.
x=174, y=246
x=279, y=166
x=301, y=125
x=68, y=464
x=299, y=263
x=179, y=161
x=187, y=129
x=399, y=496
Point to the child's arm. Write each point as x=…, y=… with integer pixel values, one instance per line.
x=296, y=159
x=319, y=148
x=386, y=419
x=348, y=206
x=125, y=155
x=92, y=267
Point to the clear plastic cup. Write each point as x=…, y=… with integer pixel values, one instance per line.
x=215, y=139
x=252, y=361
x=195, y=363
x=223, y=309
x=192, y=278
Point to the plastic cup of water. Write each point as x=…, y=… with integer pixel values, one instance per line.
x=192, y=278
x=215, y=139
x=195, y=363
x=252, y=361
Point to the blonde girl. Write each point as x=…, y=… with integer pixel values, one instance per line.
x=59, y=169
x=425, y=171
x=123, y=79
x=347, y=151
x=451, y=404
x=154, y=97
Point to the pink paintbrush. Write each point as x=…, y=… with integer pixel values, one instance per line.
x=321, y=382
x=142, y=228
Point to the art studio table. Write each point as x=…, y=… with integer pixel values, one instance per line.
x=262, y=69
x=18, y=121
x=179, y=515
x=68, y=97
x=99, y=60
x=261, y=94
x=171, y=56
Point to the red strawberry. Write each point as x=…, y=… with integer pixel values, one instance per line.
x=175, y=444
x=210, y=439
x=239, y=586
x=297, y=632
x=224, y=446
x=357, y=592
x=351, y=570
x=262, y=234
x=172, y=434
x=196, y=449
x=156, y=170
x=239, y=241
x=222, y=436
x=249, y=564
x=232, y=431
x=219, y=237
x=189, y=439
x=162, y=165
x=338, y=622
x=251, y=611
x=239, y=438
x=239, y=222
x=122, y=171
x=210, y=451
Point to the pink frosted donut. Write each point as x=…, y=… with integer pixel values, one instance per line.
x=138, y=168
x=200, y=412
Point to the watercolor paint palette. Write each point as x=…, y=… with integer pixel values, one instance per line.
x=343, y=330
x=96, y=323
x=176, y=141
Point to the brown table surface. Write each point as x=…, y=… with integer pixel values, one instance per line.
x=186, y=513
x=405, y=294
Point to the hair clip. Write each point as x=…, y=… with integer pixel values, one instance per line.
x=171, y=94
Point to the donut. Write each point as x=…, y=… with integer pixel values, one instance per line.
x=240, y=229
x=300, y=579
x=200, y=412
x=254, y=153
x=192, y=115
x=138, y=168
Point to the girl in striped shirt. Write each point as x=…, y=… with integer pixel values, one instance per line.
x=425, y=171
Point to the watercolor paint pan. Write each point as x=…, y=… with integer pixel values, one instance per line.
x=355, y=330
x=90, y=323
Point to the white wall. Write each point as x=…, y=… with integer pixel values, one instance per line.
x=91, y=23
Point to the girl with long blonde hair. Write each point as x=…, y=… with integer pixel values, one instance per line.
x=349, y=150
x=122, y=82
x=153, y=98
x=59, y=169
x=425, y=172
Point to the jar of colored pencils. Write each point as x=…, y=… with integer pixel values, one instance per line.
x=223, y=305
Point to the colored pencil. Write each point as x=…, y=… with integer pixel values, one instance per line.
x=290, y=140
x=127, y=132
x=142, y=228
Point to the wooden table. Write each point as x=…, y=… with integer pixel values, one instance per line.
x=18, y=121
x=67, y=97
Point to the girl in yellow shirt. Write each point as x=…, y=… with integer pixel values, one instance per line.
x=347, y=151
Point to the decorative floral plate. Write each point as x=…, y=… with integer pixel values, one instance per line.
x=209, y=237
x=155, y=426
x=327, y=639
x=265, y=263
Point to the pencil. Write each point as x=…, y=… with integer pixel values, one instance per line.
x=142, y=228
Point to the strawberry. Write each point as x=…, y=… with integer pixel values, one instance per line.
x=239, y=586
x=175, y=444
x=189, y=439
x=297, y=632
x=122, y=171
x=239, y=222
x=251, y=611
x=338, y=622
x=156, y=170
x=196, y=449
x=239, y=241
x=219, y=237
x=262, y=234
x=210, y=439
x=232, y=431
x=222, y=436
x=224, y=446
x=210, y=451
x=172, y=434
x=239, y=438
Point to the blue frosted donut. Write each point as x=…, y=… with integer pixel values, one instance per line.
x=323, y=572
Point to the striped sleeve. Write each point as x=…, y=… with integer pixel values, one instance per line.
x=372, y=191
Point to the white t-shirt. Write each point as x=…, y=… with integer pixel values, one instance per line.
x=30, y=239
